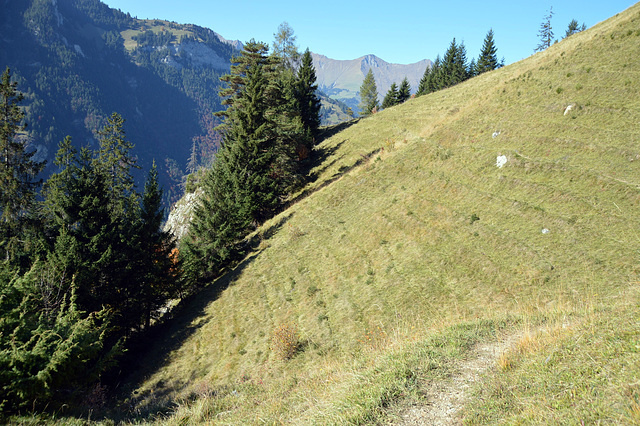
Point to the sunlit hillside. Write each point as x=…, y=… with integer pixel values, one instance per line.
x=411, y=246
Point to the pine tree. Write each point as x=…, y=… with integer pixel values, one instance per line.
x=437, y=76
x=306, y=94
x=461, y=68
x=17, y=169
x=574, y=28
x=156, y=269
x=368, y=94
x=404, y=93
x=488, y=60
x=391, y=98
x=423, y=87
x=546, y=32
x=115, y=160
x=472, y=69
x=255, y=166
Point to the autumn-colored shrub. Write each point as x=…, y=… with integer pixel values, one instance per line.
x=285, y=342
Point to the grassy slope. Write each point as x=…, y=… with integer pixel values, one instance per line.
x=388, y=280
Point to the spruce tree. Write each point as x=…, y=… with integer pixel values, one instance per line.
x=307, y=97
x=574, y=28
x=255, y=166
x=391, y=98
x=488, y=60
x=423, y=87
x=404, y=93
x=546, y=32
x=436, y=77
x=156, y=269
x=455, y=64
x=472, y=69
x=17, y=169
x=115, y=160
x=368, y=94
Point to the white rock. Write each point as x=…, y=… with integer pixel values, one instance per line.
x=501, y=160
x=569, y=108
x=545, y=231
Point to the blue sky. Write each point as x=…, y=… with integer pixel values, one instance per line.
x=401, y=31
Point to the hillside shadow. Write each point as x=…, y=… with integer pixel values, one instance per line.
x=329, y=131
x=343, y=170
x=152, y=350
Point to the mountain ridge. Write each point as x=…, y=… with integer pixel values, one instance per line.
x=341, y=79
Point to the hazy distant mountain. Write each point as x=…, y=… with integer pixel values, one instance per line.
x=341, y=80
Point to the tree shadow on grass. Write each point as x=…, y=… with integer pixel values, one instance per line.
x=152, y=350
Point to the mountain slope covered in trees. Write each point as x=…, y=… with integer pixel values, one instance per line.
x=77, y=61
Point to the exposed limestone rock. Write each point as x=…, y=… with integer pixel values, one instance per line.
x=181, y=214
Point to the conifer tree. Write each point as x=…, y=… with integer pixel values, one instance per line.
x=488, y=60
x=368, y=94
x=306, y=94
x=472, y=69
x=436, y=77
x=546, y=32
x=454, y=65
x=284, y=47
x=391, y=98
x=404, y=93
x=156, y=269
x=17, y=169
x=255, y=166
x=574, y=28
x=423, y=87
x=115, y=160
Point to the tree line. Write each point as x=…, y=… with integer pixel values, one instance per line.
x=452, y=68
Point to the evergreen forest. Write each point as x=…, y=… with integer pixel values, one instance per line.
x=86, y=268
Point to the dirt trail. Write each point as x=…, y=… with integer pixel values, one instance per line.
x=445, y=399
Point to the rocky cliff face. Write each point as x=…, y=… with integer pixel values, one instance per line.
x=181, y=214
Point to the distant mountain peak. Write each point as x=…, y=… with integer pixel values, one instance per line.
x=341, y=79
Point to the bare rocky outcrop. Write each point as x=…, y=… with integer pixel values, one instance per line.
x=181, y=214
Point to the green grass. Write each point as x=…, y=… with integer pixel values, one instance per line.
x=388, y=281
x=156, y=26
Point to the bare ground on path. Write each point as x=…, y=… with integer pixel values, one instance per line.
x=446, y=398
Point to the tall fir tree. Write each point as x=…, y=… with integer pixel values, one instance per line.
x=488, y=60
x=255, y=166
x=391, y=98
x=18, y=170
x=404, y=92
x=546, y=32
x=423, y=86
x=307, y=95
x=454, y=64
x=574, y=28
x=368, y=94
x=116, y=162
x=157, y=271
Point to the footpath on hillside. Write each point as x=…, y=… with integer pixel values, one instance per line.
x=445, y=399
